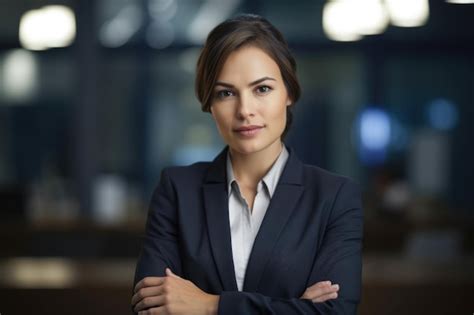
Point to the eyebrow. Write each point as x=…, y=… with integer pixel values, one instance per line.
x=250, y=84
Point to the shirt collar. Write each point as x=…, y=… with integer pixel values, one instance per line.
x=270, y=180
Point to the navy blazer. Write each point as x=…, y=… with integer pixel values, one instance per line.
x=311, y=232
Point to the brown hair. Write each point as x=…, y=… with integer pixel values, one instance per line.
x=245, y=29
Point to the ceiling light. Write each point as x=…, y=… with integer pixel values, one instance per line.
x=48, y=27
x=408, y=13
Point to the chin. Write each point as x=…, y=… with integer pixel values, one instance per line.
x=244, y=148
x=249, y=147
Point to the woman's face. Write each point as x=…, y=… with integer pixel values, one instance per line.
x=249, y=101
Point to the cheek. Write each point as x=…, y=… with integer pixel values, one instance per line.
x=222, y=120
x=278, y=111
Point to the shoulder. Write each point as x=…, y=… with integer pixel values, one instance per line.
x=320, y=175
x=175, y=179
x=315, y=179
x=340, y=195
x=329, y=184
x=192, y=172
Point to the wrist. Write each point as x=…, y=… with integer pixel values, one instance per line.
x=213, y=304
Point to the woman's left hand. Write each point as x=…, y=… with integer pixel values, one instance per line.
x=173, y=296
x=321, y=292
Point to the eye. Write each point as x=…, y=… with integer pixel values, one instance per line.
x=224, y=93
x=263, y=89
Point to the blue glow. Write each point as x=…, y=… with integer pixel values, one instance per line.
x=373, y=135
x=442, y=114
x=374, y=129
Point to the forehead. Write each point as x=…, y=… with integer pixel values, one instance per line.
x=249, y=62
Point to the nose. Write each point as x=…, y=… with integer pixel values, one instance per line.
x=245, y=107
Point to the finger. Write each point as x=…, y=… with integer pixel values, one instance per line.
x=320, y=284
x=323, y=290
x=170, y=273
x=149, y=282
x=148, y=302
x=156, y=310
x=323, y=283
x=324, y=298
x=146, y=292
x=314, y=292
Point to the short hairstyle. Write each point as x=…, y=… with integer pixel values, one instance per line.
x=230, y=35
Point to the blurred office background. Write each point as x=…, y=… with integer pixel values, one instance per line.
x=96, y=97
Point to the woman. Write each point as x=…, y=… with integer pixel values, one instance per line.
x=254, y=231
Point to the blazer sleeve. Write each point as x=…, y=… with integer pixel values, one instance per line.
x=339, y=260
x=160, y=244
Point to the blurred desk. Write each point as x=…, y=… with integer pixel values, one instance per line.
x=65, y=286
x=397, y=285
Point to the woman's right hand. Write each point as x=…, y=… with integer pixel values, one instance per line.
x=321, y=292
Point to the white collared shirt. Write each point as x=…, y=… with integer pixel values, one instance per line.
x=244, y=222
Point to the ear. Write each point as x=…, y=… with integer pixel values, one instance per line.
x=288, y=102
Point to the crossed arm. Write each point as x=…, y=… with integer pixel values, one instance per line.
x=174, y=295
x=339, y=259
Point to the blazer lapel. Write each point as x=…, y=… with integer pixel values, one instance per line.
x=216, y=206
x=282, y=204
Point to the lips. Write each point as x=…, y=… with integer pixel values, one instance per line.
x=248, y=131
x=248, y=128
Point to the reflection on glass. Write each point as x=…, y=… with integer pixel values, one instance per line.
x=118, y=30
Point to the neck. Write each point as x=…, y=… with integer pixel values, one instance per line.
x=249, y=169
